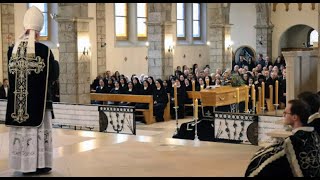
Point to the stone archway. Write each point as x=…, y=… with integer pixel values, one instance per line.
x=245, y=50
x=300, y=32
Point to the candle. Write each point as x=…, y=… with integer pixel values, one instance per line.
x=193, y=89
x=175, y=95
x=253, y=94
x=262, y=94
x=238, y=95
x=196, y=109
x=201, y=87
x=271, y=93
x=207, y=82
x=277, y=91
x=259, y=95
x=247, y=99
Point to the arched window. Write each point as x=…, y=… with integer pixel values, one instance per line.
x=121, y=21
x=312, y=37
x=181, y=26
x=141, y=21
x=44, y=34
x=191, y=23
x=196, y=18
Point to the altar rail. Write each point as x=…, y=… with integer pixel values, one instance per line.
x=148, y=113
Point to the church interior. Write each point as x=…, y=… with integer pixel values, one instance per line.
x=232, y=60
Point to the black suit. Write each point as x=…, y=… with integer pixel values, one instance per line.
x=3, y=94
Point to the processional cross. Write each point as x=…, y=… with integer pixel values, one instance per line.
x=21, y=65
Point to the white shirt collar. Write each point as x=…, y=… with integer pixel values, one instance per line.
x=313, y=117
x=303, y=128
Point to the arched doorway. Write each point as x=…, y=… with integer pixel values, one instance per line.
x=295, y=37
x=245, y=51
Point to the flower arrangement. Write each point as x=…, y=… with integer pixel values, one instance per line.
x=236, y=80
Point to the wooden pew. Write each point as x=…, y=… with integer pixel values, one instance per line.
x=147, y=113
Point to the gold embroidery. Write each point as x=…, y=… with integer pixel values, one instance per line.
x=22, y=65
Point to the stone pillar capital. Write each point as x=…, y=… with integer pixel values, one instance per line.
x=220, y=25
x=265, y=26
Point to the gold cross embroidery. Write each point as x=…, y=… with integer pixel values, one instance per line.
x=21, y=65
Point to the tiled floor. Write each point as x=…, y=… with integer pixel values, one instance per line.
x=152, y=152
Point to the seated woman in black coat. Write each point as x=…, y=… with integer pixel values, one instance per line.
x=130, y=91
x=160, y=100
x=201, y=84
x=167, y=86
x=181, y=95
x=115, y=90
x=145, y=91
x=101, y=89
x=137, y=87
x=110, y=85
x=123, y=84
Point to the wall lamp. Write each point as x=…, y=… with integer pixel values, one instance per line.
x=103, y=44
x=260, y=40
x=229, y=44
x=85, y=51
x=170, y=49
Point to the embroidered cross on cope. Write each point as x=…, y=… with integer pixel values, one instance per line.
x=22, y=65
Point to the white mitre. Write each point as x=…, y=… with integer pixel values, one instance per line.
x=33, y=21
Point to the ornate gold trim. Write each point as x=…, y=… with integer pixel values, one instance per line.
x=22, y=65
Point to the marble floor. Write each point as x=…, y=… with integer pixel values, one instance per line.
x=152, y=152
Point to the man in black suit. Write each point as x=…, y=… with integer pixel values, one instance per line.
x=4, y=89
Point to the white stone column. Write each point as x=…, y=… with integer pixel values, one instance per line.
x=101, y=37
x=302, y=69
x=160, y=37
x=219, y=51
x=73, y=31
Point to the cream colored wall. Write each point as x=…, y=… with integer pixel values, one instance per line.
x=243, y=17
x=283, y=20
x=136, y=62
x=93, y=40
x=191, y=51
x=19, y=11
x=192, y=56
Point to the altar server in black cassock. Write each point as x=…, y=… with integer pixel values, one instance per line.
x=295, y=156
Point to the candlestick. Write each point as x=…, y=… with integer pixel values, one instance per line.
x=238, y=95
x=193, y=89
x=271, y=93
x=277, y=92
x=196, y=120
x=262, y=94
x=259, y=98
x=253, y=94
x=207, y=82
x=247, y=99
x=196, y=109
x=175, y=95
